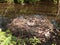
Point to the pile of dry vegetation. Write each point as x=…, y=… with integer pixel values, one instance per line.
x=33, y=25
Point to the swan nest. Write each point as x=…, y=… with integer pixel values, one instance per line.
x=32, y=25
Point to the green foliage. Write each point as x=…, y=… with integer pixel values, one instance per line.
x=25, y=1
x=6, y=39
x=34, y=41
x=21, y=1
x=21, y=42
x=55, y=1
x=9, y=1
x=29, y=1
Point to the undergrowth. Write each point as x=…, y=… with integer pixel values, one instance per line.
x=6, y=38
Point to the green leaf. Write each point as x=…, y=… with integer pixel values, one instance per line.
x=6, y=41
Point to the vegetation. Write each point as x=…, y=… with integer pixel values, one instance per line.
x=6, y=38
x=24, y=1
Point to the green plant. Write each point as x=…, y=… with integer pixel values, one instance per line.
x=34, y=41
x=29, y=1
x=54, y=1
x=9, y=1
x=6, y=39
x=21, y=42
x=21, y=1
